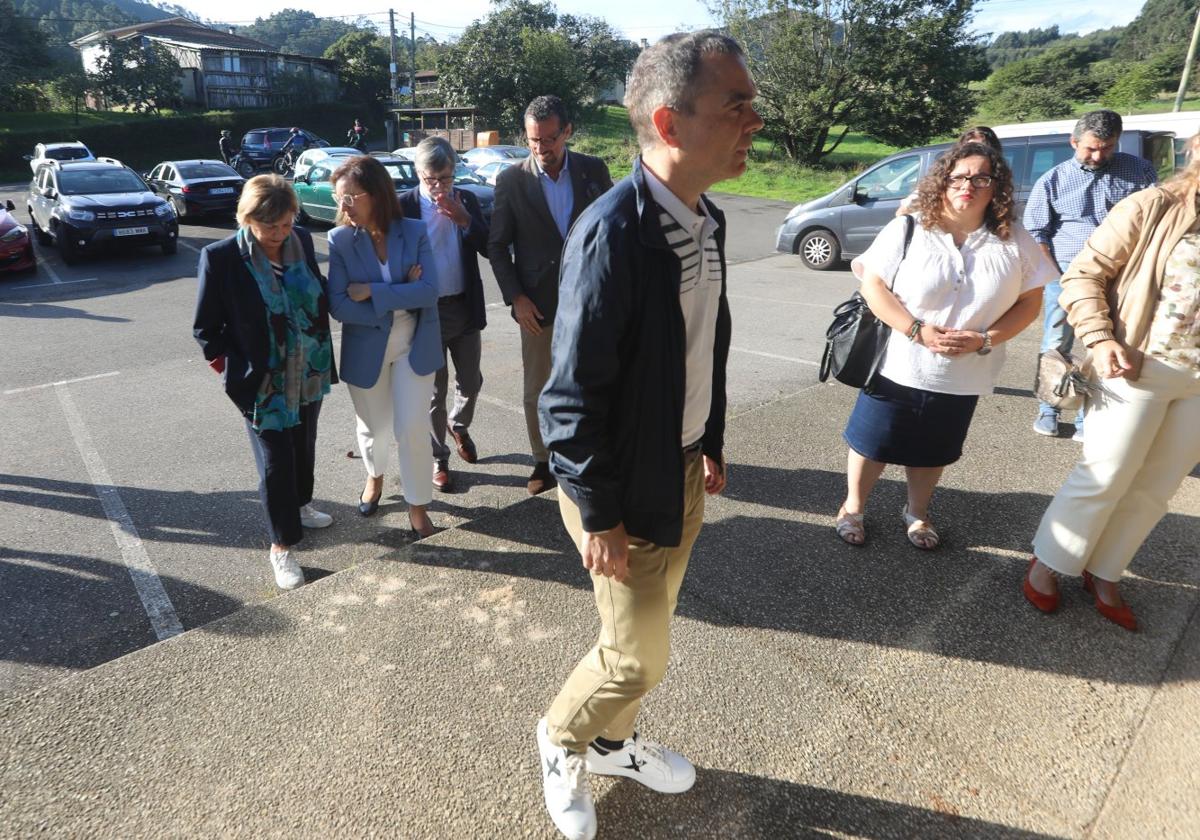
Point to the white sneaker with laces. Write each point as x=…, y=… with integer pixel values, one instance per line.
x=288, y=574
x=310, y=517
x=655, y=766
x=568, y=793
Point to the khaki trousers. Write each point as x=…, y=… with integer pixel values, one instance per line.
x=603, y=694
x=1136, y=452
x=535, y=357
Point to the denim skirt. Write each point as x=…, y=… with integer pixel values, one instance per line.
x=895, y=424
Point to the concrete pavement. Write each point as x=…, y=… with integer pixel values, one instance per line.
x=822, y=690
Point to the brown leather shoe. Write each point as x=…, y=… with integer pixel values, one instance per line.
x=441, y=477
x=466, y=446
x=541, y=480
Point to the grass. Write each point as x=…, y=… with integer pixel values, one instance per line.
x=65, y=120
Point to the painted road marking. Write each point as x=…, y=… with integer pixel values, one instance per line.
x=54, y=278
x=155, y=600
x=55, y=283
x=828, y=306
x=775, y=356
x=62, y=382
x=507, y=406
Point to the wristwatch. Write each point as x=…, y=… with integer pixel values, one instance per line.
x=987, y=344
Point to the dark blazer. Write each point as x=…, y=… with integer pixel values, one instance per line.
x=611, y=413
x=521, y=219
x=473, y=241
x=231, y=318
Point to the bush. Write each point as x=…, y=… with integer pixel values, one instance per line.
x=1027, y=102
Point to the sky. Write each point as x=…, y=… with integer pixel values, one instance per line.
x=639, y=19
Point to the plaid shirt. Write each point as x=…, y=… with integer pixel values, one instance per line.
x=1069, y=202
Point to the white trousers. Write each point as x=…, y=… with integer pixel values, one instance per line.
x=399, y=400
x=1136, y=453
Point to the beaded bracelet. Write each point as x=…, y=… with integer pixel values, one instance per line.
x=915, y=330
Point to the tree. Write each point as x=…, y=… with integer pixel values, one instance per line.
x=1022, y=103
x=22, y=56
x=69, y=90
x=363, y=59
x=575, y=58
x=301, y=32
x=896, y=70
x=1139, y=83
x=140, y=74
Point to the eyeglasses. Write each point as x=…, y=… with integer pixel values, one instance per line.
x=433, y=182
x=347, y=200
x=544, y=141
x=979, y=182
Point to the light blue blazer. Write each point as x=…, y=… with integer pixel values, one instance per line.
x=368, y=323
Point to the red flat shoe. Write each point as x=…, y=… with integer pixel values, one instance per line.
x=1045, y=603
x=1121, y=615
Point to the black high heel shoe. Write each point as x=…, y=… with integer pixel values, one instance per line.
x=369, y=508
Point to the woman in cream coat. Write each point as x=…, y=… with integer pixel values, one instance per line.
x=383, y=289
x=1133, y=298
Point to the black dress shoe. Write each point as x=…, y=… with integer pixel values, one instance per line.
x=368, y=508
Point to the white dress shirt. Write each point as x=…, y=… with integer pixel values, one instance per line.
x=445, y=240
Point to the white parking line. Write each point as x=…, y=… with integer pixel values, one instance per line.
x=828, y=306
x=507, y=406
x=62, y=382
x=775, y=356
x=55, y=283
x=155, y=600
x=54, y=278
x=189, y=246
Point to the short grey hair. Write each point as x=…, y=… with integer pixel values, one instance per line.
x=667, y=74
x=1103, y=125
x=434, y=154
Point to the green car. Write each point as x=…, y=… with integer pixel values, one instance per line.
x=316, y=192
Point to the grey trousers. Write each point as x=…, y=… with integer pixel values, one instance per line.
x=465, y=349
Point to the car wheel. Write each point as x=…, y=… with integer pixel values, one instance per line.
x=68, y=249
x=170, y=247
x=820, y=250
x=246, y=169
x=40, y=235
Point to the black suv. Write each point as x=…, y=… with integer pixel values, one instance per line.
x=90, y=204
x=260, y=147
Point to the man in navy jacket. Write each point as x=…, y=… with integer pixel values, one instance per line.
x=633, y=413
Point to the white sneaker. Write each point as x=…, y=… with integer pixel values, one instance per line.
x=653, y=765
x=310, y=517
x=288, y=574
x=568, y=794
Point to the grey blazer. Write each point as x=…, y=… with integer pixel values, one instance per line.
x=521, y=220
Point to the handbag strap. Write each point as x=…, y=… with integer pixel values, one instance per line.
x=909, y=226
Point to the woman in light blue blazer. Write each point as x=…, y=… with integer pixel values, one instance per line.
x=383, y=288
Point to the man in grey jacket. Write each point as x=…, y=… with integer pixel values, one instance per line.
x=536, y=204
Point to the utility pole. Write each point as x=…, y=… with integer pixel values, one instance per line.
x=412, y=57
x=390, y=124
x=1187, y=64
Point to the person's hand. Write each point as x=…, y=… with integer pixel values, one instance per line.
x=714, y=476
x=958, y=342
x=606, y=552
x=449, y=205
x=1110, y=358
x=414, y=273
x=358, y=291
x=527, y=314
x=933, y=337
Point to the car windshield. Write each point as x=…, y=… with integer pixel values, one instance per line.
x=402, y=172
x=67, y=153
x=205, y=170
x=95, y=181
x=462, y=175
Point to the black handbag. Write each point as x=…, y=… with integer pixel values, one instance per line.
x=856, y=340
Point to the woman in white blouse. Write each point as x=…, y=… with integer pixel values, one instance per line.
x=1133, y=298
x=971, y=280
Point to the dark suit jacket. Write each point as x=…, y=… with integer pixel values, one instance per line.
x=473, y=240
x=231, y=318
x=521, y=219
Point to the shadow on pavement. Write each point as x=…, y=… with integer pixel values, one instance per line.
x=750, y=807
x=49, y=310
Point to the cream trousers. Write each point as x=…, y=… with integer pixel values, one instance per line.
x=1136, y=452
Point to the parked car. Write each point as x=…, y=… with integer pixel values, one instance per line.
x=262, y=146
x=73, y=150
x=16, y=248
x=315, y=191
x=197, y=187
x=86, y=205
x=844, y=223
x=408, y=153
x=489, y=172
x=480, y=155
x=312, y=156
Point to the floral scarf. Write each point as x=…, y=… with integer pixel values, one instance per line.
x=299, y=347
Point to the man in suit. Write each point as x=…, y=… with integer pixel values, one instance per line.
x=536, y=204
x=457, y=233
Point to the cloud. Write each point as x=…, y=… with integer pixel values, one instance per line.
x=999, y=18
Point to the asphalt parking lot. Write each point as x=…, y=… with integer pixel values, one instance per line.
x=128, y=506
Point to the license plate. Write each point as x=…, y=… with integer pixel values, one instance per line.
x=221, y=191
x=134, y=231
